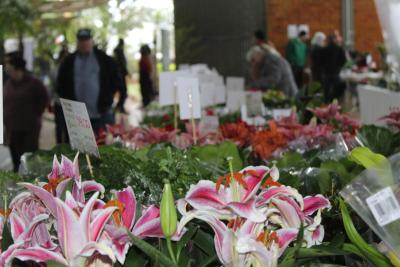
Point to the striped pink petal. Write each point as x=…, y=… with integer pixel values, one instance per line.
x=203, y=195
x=285, y=237
x=98, y=223
x=127, y=197
x=92, y=186
x=38, y=254
x=17, y=226
x=70, y=233
x=56, y=169
x=47, y=198
x=288, y=213
x=247, y=210
x=314, y=203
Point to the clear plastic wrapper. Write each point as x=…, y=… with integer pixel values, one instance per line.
x=375, y=196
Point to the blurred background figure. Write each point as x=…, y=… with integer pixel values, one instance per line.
x=119, y=56
x=333, y=58
x=296, y=54
x=260, y=40
x=92, y=77
x=146, y=69
x=60, y=125
x=25, y=100
x=318, y=42
x=270, y=71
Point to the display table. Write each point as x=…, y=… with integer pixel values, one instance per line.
x=376, y=102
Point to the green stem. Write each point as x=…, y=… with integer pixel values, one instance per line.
x=170, y=250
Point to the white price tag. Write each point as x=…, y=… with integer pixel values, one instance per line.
x=280, y=113
x=208, y=94
x=235, y=83
x=79, y=127
x=189, y=98
x=209, y=124
x=168, y=91
x=384, y=206
x=235, y=100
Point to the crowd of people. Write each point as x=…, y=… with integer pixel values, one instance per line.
x=324, y=56
x=87, y=75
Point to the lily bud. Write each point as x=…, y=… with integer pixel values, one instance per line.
x=168, y=211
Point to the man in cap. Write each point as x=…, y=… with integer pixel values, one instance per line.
x=89, y=75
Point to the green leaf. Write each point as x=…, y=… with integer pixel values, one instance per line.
x=54, y=264
x=369, y=252
x=205, y=242
x=373, y=161
x=7, y=238
x=378, y=139
x=292, y=160
x=151, y=251
x=217, y=154
x=208, y=261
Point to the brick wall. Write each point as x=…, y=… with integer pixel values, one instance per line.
x=367, y=27
x=325, y=16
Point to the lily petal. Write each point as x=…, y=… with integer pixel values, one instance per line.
x=56, y=169
x=92, y=186
x=68, y=227
x=247, y=210
x=38, y=254
x=17, y=226
x=314, y=203
x=127, y=197
x=285, y=237
x=203, y=195
x=98, y=223
x=288, y=213
x=99, y=247
x=47, y=198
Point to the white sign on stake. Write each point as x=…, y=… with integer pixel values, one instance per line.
x=209, y=124
x=220, y=94
x=254, y=104
x=189, y=98
x=208, y=94
x=1, y=106
x=168, y=93
x=79, y=127
x=280, y=113
x=235, y=83
x=235, y=100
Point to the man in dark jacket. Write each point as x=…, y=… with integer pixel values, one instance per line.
x=92, y=77
x=333, y=58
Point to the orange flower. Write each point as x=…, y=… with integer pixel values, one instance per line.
x=240, y=132
x=265, y=142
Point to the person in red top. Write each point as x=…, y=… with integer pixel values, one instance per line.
x=146, y=69
x=25, y=99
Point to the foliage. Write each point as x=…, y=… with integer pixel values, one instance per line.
x=146, y=168
x=379, y=139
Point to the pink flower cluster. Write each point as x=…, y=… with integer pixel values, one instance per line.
x=88, y=233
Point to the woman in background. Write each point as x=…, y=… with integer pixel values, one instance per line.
x=25, y=99
x=145, y=74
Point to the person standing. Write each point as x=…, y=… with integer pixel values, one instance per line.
x=296, y=54
x=119, y=56
x=90, y=76
x=25, y=100
x=317, y=44
x=270, y=71
x=333, y=58
x=145, y=75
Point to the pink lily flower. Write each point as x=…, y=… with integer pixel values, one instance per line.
x=78, y=236
x=236, y=197
x=148, y=225
x=243, y=242
x=293, y=210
